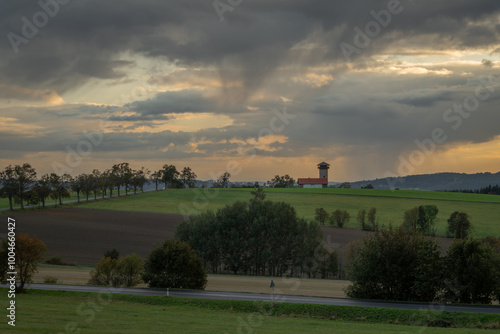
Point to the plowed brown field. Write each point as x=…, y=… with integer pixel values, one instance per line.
x=83, y=235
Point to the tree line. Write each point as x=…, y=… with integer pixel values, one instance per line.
x=20, y=184
x=489, y=190
x=420, y=219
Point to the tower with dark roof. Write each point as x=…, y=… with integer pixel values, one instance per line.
x=323, y=170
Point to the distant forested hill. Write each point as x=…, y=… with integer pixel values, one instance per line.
x=439, y=181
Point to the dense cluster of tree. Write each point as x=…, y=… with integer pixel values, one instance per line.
x=421, y=219
x=258, y=238
x=321, y=216
x=20, y=185
x=284, y=181
x=396, y=265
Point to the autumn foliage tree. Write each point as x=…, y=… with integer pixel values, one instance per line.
x=29, y=252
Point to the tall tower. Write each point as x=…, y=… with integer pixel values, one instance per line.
x=323, y=170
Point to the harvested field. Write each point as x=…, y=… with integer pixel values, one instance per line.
x=83, y=235
x=224, y=283
x=70, y=275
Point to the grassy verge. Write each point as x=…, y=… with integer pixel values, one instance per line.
x=72, y=312
x=330, y=312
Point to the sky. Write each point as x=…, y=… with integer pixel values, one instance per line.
x=256, y=88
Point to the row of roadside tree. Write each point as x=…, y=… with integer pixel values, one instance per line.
x=21, y=186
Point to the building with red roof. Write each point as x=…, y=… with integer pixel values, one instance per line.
x=321, y=182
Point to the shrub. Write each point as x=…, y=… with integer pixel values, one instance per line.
x=372, y=217
x=321, y=216
x=112, y=253
x=50, y=280
x=459, y=225
x=367, y=220
x=105, y=273
x=58, y=261
x=114, y=272
x=339, y=217
x=130, y=269
x=361, y=218
x=174, y=264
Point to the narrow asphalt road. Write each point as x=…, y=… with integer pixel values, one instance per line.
x=278, y=298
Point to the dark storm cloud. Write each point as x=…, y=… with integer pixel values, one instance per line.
x=179, y=102
x=83, y=40
x=487, y=63
x=425, y=98
x=135, y=118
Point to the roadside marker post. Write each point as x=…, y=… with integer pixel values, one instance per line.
x=272, y=286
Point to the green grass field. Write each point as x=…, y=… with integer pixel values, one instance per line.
x=74, y=312
x=483, y=209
